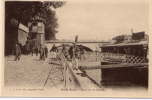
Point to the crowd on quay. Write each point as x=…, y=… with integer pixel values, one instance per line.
x=72, y=54
x=41, y=51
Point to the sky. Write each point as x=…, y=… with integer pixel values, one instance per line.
x=101, y=19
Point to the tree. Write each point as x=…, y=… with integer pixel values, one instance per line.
x=24, y=11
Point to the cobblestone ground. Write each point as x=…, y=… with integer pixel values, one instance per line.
x=30, y=72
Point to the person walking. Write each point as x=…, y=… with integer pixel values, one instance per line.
x=17, y=52
x=36, y=51
x=46, y=51
x=32, y=50
x=42, y=53
x=71, y=52
x=65, y=52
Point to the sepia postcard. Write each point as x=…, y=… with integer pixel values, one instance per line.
x=76, y=48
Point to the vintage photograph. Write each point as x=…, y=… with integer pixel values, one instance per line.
x=73, y=45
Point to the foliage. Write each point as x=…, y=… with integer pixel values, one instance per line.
x=24, y=11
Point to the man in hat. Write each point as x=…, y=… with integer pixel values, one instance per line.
x=17, y=52
x=46, y=51
x=42, y=52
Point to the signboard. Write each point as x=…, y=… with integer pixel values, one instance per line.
x=22, y=34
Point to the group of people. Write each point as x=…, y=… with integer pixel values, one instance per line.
x=73, y=52
x=42, y=50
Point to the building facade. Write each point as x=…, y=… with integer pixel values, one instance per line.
x=37, y=31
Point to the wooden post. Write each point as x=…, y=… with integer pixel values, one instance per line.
x=64, y=72
x=74, y=49
x=63, y=61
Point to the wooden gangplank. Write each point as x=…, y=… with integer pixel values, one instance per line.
x=73, y=78
x=124, y=65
